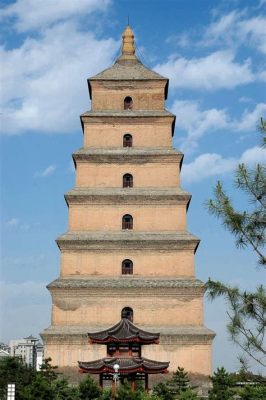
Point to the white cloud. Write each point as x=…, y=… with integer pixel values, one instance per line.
x=215, y=71
x=36, y=14
x=245, y=99
x=253, y=156
x=196, y=122
x=46, y=172
x=13, y=222
x=44, y=85
x=16, y=222
x=236, y=29
x=212, y=164
x=206, y=165
x=250, y=119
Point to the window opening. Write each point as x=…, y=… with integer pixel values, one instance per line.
x=127, y=140
x=128, y=103
x=127, y=267
x=127, y=313
x=127, y=180
x=127, y=222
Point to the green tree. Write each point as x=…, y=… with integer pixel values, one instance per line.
x=13, y=370
x=222, y=384
x=188, y=394
x=63, y=391
x=106, y=394
x=162, y=391
x=257, y=392
x=88, y=389
x=247, y=226
x=39, y=388
x=179, y=381
x=246, y=309
x=124, y=392
x=48, y=371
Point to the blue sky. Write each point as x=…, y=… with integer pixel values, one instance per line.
x=214, y=54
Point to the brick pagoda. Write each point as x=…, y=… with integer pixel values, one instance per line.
x=127, y=249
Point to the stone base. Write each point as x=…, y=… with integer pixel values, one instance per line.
x=187, y=346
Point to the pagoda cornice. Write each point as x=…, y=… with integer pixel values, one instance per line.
x=128, y=155
x=125, y=116
x=86, y=240
x=168, y=334
x=126, y=283
x=133, y=195
x=70, y=293
x=127, y=113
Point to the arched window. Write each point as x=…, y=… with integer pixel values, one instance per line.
x=127, y=180
x=127, y=222
x=128, y=103
x=127, y=140
x=127, y=267
x=127, y=313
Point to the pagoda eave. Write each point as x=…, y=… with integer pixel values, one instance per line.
x=128, y=196
x=140, y=156
x=115, y=340
x=128, y=366
x=128, y=240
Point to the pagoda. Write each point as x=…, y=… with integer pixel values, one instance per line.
x=127, y=250
x=124, y=341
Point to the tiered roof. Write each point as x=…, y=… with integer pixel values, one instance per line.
x=124, y=332
x=126, y=365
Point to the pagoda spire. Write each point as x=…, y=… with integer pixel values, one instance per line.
x=128, y=47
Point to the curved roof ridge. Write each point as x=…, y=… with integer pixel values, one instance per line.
x=123, y=331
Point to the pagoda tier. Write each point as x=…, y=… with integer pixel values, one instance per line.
x=128, y=117
x=128, y=365
x=123, y=332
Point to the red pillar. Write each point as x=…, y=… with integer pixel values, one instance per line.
x=146, y=382
x=101, y=380
x=133, y=383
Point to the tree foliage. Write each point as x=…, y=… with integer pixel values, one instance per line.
x=253, y=392
x=177, y=388
x=179, y=382
x=222, y=384
x=88, y=389
x=247, y=310
x=13, y=370
x=162, y=391
x=247, y=317
x=247, y=226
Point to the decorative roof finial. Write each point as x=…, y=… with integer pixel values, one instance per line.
x=128, y=46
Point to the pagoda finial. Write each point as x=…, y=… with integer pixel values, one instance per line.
x=128, y=45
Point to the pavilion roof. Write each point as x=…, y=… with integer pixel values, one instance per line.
x=124, y=332
x=127, y=365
